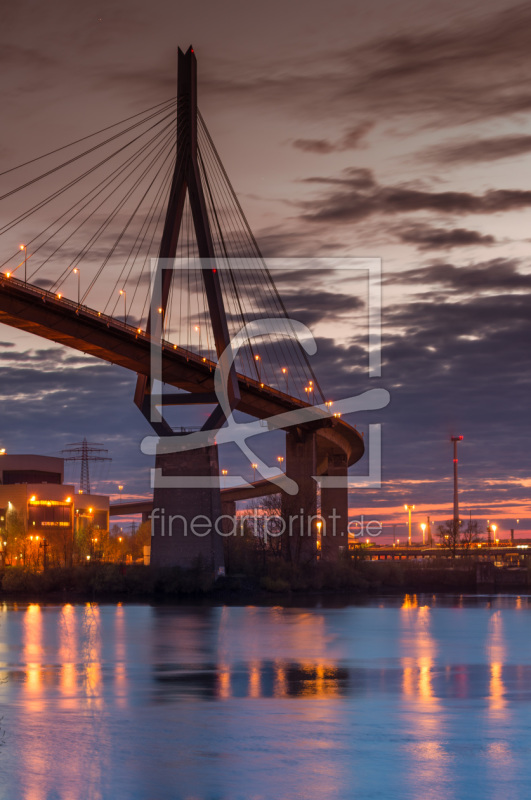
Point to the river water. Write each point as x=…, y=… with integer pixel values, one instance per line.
x=402, y=698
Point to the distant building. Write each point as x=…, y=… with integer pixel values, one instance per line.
x=32, y=487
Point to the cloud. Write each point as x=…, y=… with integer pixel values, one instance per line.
x=351, y=140
x=471, y=68
x=480, y=150
x=497, y=275
x=356, y=195
x=427, y=238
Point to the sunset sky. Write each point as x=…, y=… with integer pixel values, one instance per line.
x=396, y=131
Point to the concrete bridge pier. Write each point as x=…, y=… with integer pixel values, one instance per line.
x=186, y=520
x=299, y=511
x=334, y=509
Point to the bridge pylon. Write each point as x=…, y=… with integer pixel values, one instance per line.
x=176, y=538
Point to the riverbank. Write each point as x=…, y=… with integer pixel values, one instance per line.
x=276, y=579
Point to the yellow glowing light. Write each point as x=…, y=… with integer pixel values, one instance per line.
x=68, y=499
x=46, y=502
x=32, y=499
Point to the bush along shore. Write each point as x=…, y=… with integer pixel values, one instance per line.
x=272, y=577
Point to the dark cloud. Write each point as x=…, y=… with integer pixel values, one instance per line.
x=351, y=140
x=356, y=195
x=51, y=396
x=454, y=367
x=427, y=238
x=491, y=276
x=479, y=150
x=469, y=69
x=319, y=306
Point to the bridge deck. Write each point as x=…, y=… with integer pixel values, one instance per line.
x=42, y=313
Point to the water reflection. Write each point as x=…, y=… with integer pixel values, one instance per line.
x=422, y=685
x=132, y=702
x=68, y=650
x=32, y=652
x=496, y=656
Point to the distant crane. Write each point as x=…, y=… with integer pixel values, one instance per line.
x=85, y=452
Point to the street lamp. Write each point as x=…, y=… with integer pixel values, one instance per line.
x=120, y=489
x=258, y=367
x=423, y=527
x=409, y=510
x=285, y=373
x=280, y=460
x=122, y=291
x=25, y=248
x=255, y=467
x=78, y=273
x=197, y=328
x=224, y=473
x=455, y=440
x=494, y=528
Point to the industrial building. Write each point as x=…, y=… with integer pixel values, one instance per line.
x=33, y=493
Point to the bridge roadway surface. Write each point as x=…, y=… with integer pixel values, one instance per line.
x=43, y=313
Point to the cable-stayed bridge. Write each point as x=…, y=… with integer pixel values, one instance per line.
x=134, y=249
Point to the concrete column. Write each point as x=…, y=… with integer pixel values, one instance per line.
x=334, y=510
x=231, y=533
x=184, y=520
x=299, y=511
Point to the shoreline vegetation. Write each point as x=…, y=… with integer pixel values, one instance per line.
x=257, y=581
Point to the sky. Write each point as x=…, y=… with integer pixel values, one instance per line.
x=395, y=131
